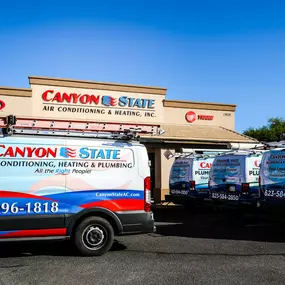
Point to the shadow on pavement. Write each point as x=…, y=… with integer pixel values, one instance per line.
x=48, y=248
x=205, y=222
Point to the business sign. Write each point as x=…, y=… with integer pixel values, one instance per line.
x=2, y=105
x=191, y=117
x=61, y=159
x=66, y=102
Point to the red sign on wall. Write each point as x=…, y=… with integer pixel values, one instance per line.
x=2, y=105
x=192, y=117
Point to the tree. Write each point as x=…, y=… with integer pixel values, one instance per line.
x=273, y=131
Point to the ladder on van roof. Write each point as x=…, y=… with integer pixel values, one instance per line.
x=11, y=125
x=197, y=153
x=244, y=152
x=275, y=144
x=208, y=153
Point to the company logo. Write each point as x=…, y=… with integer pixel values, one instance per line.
x=2, y=105
x=192, y=117
x=90, y=153
x=205, y=117
x=67, y=152
x=51, y=96
x=50, y=152
x=257, y=163
x=38, y=152
x=205, y=164
x=109, y=101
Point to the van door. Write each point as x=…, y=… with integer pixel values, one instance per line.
x=201, y=172
x=28, y=178
x=272, y=176
x=179, y=177
x=225, y=177
x=252, y=172
x=104, y=174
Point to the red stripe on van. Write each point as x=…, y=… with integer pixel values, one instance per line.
x=35, y=233
x=117, y=205
x=11, y=194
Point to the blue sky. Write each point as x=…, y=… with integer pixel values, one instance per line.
x=211, y=51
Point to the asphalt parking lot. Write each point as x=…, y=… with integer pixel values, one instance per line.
x=190, y=247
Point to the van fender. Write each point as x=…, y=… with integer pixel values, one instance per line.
x=71, y=220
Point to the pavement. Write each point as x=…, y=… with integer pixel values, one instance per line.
x=197, y=246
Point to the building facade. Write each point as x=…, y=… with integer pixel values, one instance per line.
x=186, y=124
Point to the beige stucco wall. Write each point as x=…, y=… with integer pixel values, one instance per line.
x=14, y=105
x=165, y=167
x=221, y=118
x=30, y=102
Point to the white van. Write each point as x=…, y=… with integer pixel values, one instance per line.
x=234, y=178
x=188, y=179
x=272, y=177
x=86, y=190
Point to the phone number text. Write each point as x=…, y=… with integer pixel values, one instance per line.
x=274, y=193
x=36, y=208
x=223, y=196
x=181, y=192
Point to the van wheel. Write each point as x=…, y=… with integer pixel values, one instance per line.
x=94, y=236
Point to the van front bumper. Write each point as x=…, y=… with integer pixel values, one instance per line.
x=136, y=222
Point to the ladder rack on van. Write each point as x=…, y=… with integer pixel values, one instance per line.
x=206, y=153
x=275, y=144
x=34, y=126
x=198, y=153
x=203, y=150
x=243, y=151
x=193, y=155
x=259, y=149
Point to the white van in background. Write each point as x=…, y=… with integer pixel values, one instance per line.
x=189, y=179
x=234, y=178
x=272, y=177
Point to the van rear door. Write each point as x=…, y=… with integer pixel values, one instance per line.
x=226, y=175
x=201, y=172
x=252, y=172
x=179, y=177
x=272, y=176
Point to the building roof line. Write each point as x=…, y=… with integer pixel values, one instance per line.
x=88, y=84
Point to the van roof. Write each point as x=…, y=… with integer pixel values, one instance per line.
x=58, y=139
x=276, y=149
x=240, y=153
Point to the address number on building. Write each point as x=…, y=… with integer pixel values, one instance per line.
x=28, y=208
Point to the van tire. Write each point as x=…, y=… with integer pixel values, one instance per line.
x=94, y=236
